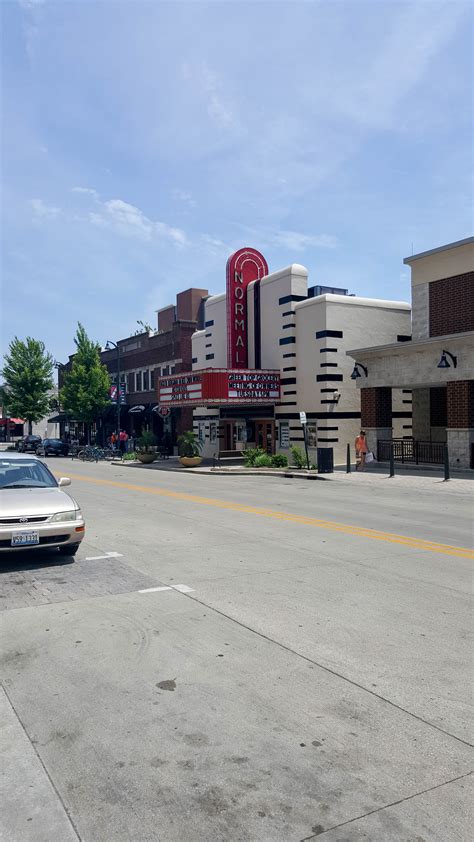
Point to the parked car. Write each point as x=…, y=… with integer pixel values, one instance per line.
x=52, y=447
x=29, y=443
x=35, y=512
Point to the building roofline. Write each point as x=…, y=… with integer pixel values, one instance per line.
x=412, y=347
x=465, y=242
x=353, y=300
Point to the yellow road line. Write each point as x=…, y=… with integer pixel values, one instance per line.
x=363, y=532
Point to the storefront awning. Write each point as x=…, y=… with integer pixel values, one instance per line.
x=14, y=421
x=56, y=419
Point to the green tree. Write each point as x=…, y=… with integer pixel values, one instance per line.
x=28, y=376
x=85, y=390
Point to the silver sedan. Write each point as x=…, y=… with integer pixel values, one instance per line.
x=35, y=512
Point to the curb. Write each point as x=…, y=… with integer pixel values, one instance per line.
x=228, y=472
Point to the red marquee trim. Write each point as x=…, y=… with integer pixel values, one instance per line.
x=243, y=267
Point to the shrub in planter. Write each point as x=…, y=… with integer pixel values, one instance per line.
x=252, y=454
x=146, y=442
x=129, y=457
x=279, y=460
x=263, y=461
x=189, y=445
x=145, y=449
x=298, y=457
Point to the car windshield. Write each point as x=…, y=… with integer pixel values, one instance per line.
x=25, y=473
x=52, y=441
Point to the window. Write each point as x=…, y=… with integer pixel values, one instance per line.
x=209, y=323
x=138, y=381
x=288, y=340
x=130, y=382
x=209, y=356
x=146, y=380
x=152, y=378
x=202, y=431
x=321, y=378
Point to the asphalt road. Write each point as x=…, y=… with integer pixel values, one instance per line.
x=240, y=658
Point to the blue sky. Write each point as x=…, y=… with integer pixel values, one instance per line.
x=145, y=141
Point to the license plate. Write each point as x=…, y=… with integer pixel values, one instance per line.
x=25, y=539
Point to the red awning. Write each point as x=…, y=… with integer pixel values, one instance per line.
x=4, y=421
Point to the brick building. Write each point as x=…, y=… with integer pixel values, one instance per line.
x=436, y=367
x=143, y=359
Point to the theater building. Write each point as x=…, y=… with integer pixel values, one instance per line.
x=271, y=347
x=436, y=366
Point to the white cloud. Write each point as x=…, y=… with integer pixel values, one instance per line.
x=43, y=211
x=87, y=191
x=218, y=107
x=129, y=221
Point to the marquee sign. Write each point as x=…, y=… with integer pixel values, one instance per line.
x=244, y=266
x=220, y=386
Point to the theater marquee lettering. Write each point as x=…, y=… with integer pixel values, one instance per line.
x=180, y=389
x=258, y=384
x=243, y=267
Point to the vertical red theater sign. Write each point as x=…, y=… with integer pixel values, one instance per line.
x=244, y=266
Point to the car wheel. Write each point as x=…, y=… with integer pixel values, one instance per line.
x=69, y=549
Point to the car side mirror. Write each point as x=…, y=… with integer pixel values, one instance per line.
x=64, y=481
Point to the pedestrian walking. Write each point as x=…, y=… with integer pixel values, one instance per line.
x=361, y=450
x=123, y=439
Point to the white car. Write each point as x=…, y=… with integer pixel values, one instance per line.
x=35, y=512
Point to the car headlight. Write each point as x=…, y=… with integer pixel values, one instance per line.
x=62, y=516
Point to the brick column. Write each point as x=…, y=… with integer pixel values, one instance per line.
x=376, y=414
x=460, y=429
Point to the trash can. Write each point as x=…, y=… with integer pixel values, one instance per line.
x=325, y=460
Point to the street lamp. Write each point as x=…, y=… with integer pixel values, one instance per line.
x=356, y=372
x=444, y=362
x=108, y=347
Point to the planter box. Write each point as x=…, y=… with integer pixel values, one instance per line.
x=190, y=461
x=146, y=458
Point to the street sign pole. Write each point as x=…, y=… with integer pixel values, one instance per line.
x=306, y=446
x=303, y=424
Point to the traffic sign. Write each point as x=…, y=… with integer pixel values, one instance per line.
x=303, y=417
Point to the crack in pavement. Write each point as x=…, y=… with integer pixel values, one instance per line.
x=386, y=806
x=327, y=669
x=50, y=779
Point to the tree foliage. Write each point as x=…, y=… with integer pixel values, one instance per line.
x=85, y=390
x=28, y=376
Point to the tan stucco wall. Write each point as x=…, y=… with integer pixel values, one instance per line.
x=442, y=264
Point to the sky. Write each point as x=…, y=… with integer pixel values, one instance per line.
x=144, y=142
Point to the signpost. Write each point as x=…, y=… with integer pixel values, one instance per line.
x=303, y=424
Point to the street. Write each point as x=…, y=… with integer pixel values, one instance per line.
x=242, y=658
